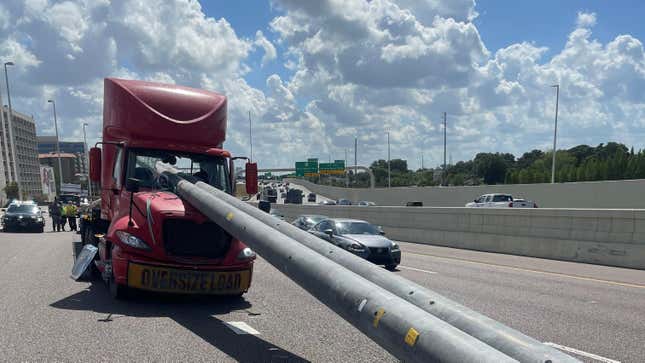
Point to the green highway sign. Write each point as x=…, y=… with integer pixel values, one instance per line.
x=335, y=168
x=307, y=168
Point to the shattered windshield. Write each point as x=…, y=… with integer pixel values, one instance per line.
x=147, y=165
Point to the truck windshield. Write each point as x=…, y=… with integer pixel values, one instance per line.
x=146, y=165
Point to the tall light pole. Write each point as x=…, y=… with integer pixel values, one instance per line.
x=355, y=158
x=444, y=149
x=60, y=166
x=5, y=140
x=250, y=138
x=346, y=173
x=89, y=182
x=11, y=139
x=555, y=130
x=388, y=162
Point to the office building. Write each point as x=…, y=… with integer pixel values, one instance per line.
x=47, y=144
x=26, y=158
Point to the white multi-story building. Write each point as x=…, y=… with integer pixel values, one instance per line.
x=26, y=149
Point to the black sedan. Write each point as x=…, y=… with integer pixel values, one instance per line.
x=23, y=217
x=307, y=221
x=360, y=238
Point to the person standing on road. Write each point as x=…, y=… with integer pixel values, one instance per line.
x=63, y=218
x=71, y=216
x=55, y=213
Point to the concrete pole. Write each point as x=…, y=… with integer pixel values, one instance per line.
x=405, y=330
x=60, y=165
x=555, y=131
x=12, y=143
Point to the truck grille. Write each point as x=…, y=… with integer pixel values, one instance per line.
x=186, y=238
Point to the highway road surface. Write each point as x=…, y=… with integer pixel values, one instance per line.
x=596, y=311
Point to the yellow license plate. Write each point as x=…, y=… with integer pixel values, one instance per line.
x=164, y=279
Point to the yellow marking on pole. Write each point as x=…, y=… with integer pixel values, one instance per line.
x=229, y=216
x=411, y=337
x=377, y=317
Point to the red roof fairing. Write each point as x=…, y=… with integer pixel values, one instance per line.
x=155, y=115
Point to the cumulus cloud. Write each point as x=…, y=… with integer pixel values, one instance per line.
x=586, y=20
x=269, y=50
x=354, y=68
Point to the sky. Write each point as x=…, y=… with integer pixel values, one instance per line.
x=316, y=74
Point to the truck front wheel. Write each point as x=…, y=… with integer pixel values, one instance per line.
x=117, y=291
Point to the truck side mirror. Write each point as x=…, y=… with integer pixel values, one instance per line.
x=95, y=164
x=329, y=232
x=251, y=178
x=132, y=185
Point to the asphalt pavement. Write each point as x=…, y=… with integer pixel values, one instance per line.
x=46, y=316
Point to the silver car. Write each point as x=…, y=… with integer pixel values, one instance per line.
x=360, y=238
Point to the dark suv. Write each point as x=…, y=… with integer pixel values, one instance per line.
x=23, y=216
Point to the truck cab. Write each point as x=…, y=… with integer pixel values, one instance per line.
x=147, y=236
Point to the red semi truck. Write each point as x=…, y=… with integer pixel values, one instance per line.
x=147, y=237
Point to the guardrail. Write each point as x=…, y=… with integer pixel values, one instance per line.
x=613, y=237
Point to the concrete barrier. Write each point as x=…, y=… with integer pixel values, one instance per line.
x=604, y=194
x=613, y=237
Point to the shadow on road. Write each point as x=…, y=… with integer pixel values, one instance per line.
x=195, y=313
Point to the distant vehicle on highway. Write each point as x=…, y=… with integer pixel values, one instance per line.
x=414, y=204
x=311, y=197
x=498, y=200
x=307, y=221
x=327, y=202
x=360, y=238
x=23, y=216
x=344, y=202
x=365, y=203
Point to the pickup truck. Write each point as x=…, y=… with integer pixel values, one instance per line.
x=500, y=201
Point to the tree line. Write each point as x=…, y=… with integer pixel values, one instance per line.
x=611, y=161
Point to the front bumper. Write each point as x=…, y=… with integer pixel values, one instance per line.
x=383, y=257
x=169, y=277
x=22, y=223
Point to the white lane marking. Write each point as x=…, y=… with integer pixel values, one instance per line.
x=581, y=353
x=240, y=327
x=416, y=269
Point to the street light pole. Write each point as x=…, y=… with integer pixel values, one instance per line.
x=555, y=130
x=355, y=158
x=60, y=167
x=89, y=182
x=444, y=149
x=388, y=162
x=346, y=173
x=5, y=140
x=250, y=138
x=11, y=139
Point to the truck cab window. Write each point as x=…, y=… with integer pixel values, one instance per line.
x=148, y=165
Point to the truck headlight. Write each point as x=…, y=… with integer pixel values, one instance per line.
x=246, y=254
x=132, y=241
x=355, y=247
x=395, y=247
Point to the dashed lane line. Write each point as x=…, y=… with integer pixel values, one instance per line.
x=240, y=327
x=416, y=269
